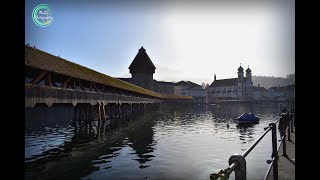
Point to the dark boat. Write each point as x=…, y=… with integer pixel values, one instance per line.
x=246, y=118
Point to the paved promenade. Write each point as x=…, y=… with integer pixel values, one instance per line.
x=286, y=164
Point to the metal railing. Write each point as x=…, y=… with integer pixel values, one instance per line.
x=237, y=163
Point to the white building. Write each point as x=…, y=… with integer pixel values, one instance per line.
x=260, y=93
x=188, y=88
x=282, y=93
x=240, y=88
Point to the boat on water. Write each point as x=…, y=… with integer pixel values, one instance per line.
x=247, y=118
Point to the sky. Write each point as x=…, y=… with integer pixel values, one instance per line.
x=186, y=40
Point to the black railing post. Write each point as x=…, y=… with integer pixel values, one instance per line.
x=289, y=132
x=274, y=150
x=240, y=171
x=291, y=121
x=294, y=117
x=283, y=134
x=284, y=146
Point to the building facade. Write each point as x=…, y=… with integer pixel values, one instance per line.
x=260, y=93
x=282, y=93
x=240, y=88
x=163, y=87
x=188, y=88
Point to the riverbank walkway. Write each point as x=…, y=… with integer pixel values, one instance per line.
x=286, y=165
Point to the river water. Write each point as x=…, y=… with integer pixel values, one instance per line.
x=170, y=143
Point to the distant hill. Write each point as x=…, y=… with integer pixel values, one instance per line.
x=270, y=81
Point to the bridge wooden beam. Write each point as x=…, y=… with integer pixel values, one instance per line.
x=91, y=87
x=54, y=84
x=80, y=84
x=64, y=85
x=95, y=87
x=39, y=77
x=48, y=80
x=52, y=81
x=73, y=83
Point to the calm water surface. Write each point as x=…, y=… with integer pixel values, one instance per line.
x=171, y=143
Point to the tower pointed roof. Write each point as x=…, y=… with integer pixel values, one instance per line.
x=240, y=69
x=142, y=63
x=248, y=70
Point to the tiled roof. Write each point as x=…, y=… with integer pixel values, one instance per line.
x=256, y=88
x=282, y=88
x=42, y=60
x=291, y=86
x=224, y=82
x=164, y=82
x=187, y=83
x=142, y=63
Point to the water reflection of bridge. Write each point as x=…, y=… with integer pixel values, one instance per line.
x=90, y=153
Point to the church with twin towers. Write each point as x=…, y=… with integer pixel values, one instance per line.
x=240, y=88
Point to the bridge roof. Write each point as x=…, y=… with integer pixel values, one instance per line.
x=42, y=60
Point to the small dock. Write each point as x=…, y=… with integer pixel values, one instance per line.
x=286, y=164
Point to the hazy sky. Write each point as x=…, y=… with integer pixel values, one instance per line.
x=186, y=40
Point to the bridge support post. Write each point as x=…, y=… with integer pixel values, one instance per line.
x=104, y=118
x=125, y=111
x=136, y=110
x=75, y=118
x=119, y=111
x=99, y=120
x=131, y=112
x=139, y=110
x=80, y=119
x=110, y=112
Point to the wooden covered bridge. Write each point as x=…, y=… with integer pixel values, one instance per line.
x=95, y=96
